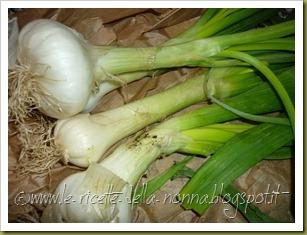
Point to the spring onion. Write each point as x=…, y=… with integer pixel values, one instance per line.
x=62, y=69
x=85, y=137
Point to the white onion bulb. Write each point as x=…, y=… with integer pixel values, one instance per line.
x=59, y=58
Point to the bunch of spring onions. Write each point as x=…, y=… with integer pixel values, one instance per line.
x=62, y=74
x=84, y=138
x=74, y=136
x=194, y=133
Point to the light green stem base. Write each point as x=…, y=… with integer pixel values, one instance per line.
x=193, y=53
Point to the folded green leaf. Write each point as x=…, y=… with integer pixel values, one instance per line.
x=286, y=152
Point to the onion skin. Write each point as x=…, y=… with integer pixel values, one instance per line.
x=96, y=195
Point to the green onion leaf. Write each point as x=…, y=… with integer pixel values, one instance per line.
x=232, y=160
x=251, y=117
x=147, y=189
x=286, y=152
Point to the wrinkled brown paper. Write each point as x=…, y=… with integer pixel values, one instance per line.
x=143, y=27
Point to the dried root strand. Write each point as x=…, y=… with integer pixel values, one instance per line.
x=26, y=95
x=34, y=130
x=39, y=153
x=22, y=86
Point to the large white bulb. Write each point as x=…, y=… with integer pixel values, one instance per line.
x=58, y=57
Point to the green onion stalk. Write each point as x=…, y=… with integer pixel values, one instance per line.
x=213, y=21
x=193, y=53
x=217, y=21
x=193, y=132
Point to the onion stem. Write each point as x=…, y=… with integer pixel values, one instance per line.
x=284, y=45
x=206, y=27
x=270, y=76
x=194, y=53
x=248, y=116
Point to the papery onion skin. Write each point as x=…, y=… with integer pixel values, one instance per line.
x=96, y=195
x=59, y=59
